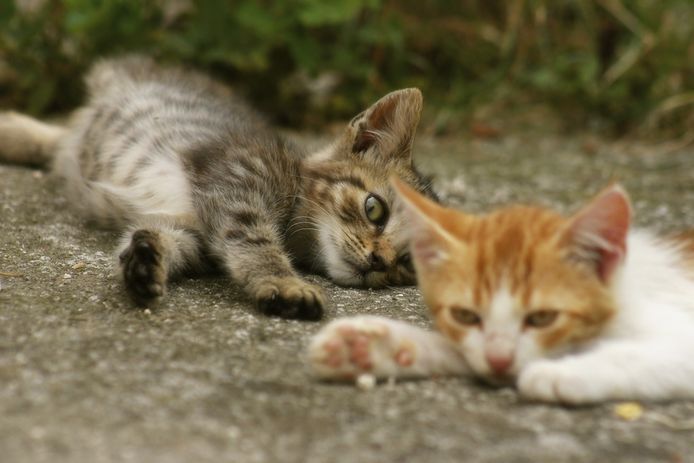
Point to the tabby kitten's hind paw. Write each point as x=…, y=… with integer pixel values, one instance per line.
x=290, y=297
x=348, y=347
x=143, y=269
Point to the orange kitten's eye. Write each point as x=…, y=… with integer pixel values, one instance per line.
x=465, y=316
x=541, y=318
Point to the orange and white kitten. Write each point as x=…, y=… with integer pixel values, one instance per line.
x=574, y=310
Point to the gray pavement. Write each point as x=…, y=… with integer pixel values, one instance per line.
x=85, y=377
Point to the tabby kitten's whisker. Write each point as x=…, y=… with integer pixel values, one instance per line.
x=578, y=309
x=190, y=173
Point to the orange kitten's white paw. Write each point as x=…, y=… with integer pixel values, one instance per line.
x=558, y=382
x=349, y=347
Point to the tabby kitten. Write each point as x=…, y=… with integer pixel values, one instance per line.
x=574, y=310
x=197, y=177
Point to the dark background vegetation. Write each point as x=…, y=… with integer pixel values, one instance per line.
x=614, y=65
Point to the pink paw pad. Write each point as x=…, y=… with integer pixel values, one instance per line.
x=404, y=357
x=360, y=354
x=333, y=353
x=351, y=348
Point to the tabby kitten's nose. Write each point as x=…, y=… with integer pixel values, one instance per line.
x=377, y=263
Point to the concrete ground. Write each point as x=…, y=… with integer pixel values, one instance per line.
x=85, y=377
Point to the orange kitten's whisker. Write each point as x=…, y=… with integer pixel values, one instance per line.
x=573, y=310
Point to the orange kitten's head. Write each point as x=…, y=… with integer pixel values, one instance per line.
x=520, y=283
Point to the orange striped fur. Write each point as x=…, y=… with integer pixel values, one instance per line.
x=520, y=248
x=575, y=310
x=529, y=253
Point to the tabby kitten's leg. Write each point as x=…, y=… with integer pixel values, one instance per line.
x=152, y=254
x=255, y=257
x=348, y=347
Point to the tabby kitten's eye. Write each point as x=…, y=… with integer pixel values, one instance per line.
x=406, y=261
x=376, y=210
x=541, y=318
x=465, y=316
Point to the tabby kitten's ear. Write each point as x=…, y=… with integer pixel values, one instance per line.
x=388, y=127
x=597, y=233
x=431, y=245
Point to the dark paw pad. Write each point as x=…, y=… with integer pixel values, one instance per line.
x=143, y=270
x=292, y=298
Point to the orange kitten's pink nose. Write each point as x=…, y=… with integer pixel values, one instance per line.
x=499, y=363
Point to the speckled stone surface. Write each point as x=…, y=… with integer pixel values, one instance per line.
x=85, y=377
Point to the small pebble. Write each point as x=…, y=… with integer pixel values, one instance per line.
x=67, y=276
x=628, y=411
x=366, y=382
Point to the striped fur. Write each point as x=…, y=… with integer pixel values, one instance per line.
x=195, y=176
x=576, y=309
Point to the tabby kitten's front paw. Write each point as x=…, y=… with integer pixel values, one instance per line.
x=143, y=270
x=558, y=382
x=289, y=297
x=348, y=347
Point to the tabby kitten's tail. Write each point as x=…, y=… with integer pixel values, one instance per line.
x=25, y=140
x=30, y=142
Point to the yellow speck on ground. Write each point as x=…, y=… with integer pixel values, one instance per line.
x=628, y=411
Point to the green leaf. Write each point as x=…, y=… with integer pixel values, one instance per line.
x=314, y=13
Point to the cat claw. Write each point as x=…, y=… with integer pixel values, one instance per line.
x=349, y=347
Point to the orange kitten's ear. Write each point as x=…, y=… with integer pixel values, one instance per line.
x=430, y=243
x=597, y=233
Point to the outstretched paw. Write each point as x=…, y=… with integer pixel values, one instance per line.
x=559, y=382
x=348, y=347
x=289, y=297
x=143, y=269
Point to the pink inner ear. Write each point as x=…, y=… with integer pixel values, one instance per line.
x=601, y=229
x=381, y=115
x=425, y=250
x=608, y=263
x=427, y=245
x=430, y=244
x=365, y=140
x=378, y=119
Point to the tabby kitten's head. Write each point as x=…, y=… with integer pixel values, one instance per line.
x=348, y=204
x=521, y=283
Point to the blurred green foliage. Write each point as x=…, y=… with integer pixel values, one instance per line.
x=308, y=61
